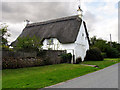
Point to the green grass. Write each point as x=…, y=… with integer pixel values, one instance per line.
x=39, y=77
x=0, y=79
x=102, y=64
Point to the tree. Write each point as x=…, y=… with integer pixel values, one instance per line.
x=105, y=47
x=99, y=43
x=93, y=40
x=4, y=35
x=28, y=44
x=115, y=45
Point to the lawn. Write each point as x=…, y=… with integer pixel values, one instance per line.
x=102, y=64
x=39, y=77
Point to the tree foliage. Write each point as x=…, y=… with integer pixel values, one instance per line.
x=4, y=34
x=28, y=44
x=105, y=47
x=93, y=54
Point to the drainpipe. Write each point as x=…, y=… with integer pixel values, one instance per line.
x=73, y=57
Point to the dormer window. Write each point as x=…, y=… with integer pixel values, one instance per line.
x=50, y=41
x=82, y=34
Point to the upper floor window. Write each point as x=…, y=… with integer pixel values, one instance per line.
x=82, y=34
x=50, y=41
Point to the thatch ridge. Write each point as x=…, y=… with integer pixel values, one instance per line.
x=52, y=21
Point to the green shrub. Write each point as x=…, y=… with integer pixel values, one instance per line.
x=78, y=60
x=27, y=44
x=104, y=55
x=119, y=55
x=112, y=52
x=94, y=54
x=66, y=58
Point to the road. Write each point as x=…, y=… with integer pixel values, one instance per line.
x=105, y=78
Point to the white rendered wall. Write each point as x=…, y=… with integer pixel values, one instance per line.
x=78, y=48
x=59, y=46
x=70, y=48
x=82, y=43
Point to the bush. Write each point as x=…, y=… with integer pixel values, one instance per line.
x=66, y=58
x=78, y=60
x=112, y=52
x=104, y=55
x=94, y=54
x=119, y=55
x=27, y=44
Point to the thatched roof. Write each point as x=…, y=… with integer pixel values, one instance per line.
x=64, y=29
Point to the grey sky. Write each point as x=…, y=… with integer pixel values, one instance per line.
x=35, y=11
x=119, y=22
x=14, y=14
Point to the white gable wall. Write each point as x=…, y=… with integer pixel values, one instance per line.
x=78, y=48
x=82, y=43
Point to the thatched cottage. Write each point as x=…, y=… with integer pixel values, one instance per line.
x=68, y=33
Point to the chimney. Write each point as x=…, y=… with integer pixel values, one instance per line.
x=79, y=12
x=79, y=9
x=27, y=21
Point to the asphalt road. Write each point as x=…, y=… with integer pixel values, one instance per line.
x=105, y=78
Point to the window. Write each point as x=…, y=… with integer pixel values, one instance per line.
x=50, y=41
x=82, y=34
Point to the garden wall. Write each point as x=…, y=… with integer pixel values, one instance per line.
x=20, y=59
x=18, y=54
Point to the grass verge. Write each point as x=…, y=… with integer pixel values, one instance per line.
x=102, y=64
x=39, y=77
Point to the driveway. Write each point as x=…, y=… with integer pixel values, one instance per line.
x=105, y=78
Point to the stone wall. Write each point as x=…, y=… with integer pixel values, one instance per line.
x=12, y=59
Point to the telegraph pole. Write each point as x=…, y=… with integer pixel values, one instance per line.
x=110, y=40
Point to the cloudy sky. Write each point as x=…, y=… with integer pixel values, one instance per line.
x=101, y=16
